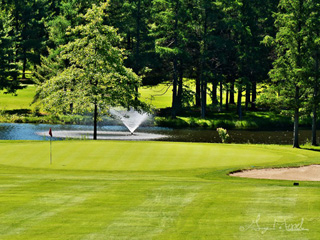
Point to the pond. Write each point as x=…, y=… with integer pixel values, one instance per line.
x=16, y=131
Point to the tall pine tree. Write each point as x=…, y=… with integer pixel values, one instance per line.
x=8, y=67
x=290, y=71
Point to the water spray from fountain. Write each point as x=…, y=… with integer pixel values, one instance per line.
x=131, y=118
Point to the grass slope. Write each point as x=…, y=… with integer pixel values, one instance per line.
x=152, y=190
x=159, y=96
x=22, y=100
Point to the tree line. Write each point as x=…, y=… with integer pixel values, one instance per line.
x=229, y=46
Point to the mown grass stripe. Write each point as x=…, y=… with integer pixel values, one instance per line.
x=168, y=198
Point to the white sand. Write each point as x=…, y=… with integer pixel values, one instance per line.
x=306, y=173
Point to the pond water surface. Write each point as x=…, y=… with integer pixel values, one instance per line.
x=17, y=131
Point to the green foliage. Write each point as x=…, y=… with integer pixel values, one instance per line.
x=8, y=67
x=223, y=134
x=57, y=30
x=171, y=122
x=251, y=121
x=187, y=97
x=29, y=18
x=291, y=69
x=95, y=75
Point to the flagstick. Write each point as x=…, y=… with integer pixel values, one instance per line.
x=50, y=151
x=50, y=134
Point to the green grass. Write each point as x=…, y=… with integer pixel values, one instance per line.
x=22, y=100
x=151, y=190
x=159, y=96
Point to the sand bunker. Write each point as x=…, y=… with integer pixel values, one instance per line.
x=306, y=173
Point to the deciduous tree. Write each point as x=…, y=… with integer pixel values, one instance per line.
x=96, y=77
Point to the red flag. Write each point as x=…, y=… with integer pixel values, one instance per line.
x=50, y=132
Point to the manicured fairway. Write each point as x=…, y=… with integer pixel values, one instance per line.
x=152, y=190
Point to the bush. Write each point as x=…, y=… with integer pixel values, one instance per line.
x=223, y=134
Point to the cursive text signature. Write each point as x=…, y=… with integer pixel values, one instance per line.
x=281, y=225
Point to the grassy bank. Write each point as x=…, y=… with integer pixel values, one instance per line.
x=152, y=190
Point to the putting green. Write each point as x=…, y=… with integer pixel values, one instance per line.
x=132, y=196
x=137, y=156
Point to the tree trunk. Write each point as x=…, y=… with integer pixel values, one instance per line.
x=296, y=120
x=203, y=87
x=248, y=92
x=203, y=79
x=138, y=30
x=137, y=52
x=314, y=126
x=174, y=89
x=239, y=109
x=95, y=121
x=24, y=65
x=296, y=128
x=203, y=97
x=297, y=90
x=227, y=99
x=221, y=94
x=214, y=93
x=232, y=93
x=198, y=90
x=315, y=103
x=180, y=89
x=175, y=68
x=254, y=95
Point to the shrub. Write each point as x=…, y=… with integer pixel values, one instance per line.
x=223, y=134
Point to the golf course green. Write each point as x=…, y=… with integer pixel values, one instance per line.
x=152, y=190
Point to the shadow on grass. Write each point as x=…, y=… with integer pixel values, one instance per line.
x=311, y=149
x=17, y=111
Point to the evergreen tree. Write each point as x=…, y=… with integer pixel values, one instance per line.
x=29, y=17
x=132, y=18
x=314, y=44
x=290, y=71
x=8, y=67
x=207, y=27
x=169, y=23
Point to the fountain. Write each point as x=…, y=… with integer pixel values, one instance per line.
x=131, y=118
